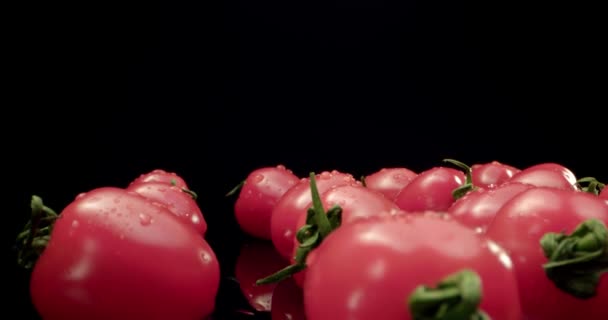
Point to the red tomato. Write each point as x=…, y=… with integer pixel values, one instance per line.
x=430, y=190
x=159, y=175
x=260, y=192
x=389, y=181
x=355, y=202
x=604, y=194
x=519, y=226
x=180, y=203
x=256, y=260
x=370, y=268
x=297, y=200
x=547, y=175
x=491, y=174
x=477, y=209
x=115, y=255
x=287, y=302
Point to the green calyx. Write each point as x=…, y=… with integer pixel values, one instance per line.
x=319, y=224
x=590, y=185
x=577, y=261
x=456, y=297
x=468, y=184
x=34, y=237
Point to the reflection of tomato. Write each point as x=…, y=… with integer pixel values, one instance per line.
x=287, y=302
x=257, y=259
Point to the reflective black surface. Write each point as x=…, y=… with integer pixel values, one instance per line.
x=215, y=90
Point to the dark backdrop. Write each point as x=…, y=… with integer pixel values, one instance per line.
x=213, y=91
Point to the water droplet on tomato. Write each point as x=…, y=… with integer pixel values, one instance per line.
x=145, y=219
x=205, y=257
x=287, y=234
x=281, y=167
x=258, y=178
x=81, y=195
x=195, y=219
x=75, y=224
x=324, y=175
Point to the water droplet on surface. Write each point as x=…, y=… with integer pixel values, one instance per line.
x=281, y=167
x=195, y=219
x=145, y=219
x=75, y=224
x=205, y=257
x=287, y=234
x=324, y=175
x=258, y=178
x=81, y=195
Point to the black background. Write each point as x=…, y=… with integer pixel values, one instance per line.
x=215, y=90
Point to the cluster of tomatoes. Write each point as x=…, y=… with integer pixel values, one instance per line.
x=137, y=252
x=489, y=241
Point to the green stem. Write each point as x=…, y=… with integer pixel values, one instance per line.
x=236, y=188
x=363, y=183
x=593, y=185
x=36, y=234
x=190, y=193
x=319, y=224
x=577, y=261
x=468, y=184
x=456, y=297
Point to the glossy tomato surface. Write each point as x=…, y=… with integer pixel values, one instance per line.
x=491, y=174
x=257, y=198
x=477, y=209
x=519, y=226
x=296, y=201
x=547, y=175
x=179, y=202
x=430, y=190
x=389, y=181
x=115, y=255
x=159, y=175
x=368, y=269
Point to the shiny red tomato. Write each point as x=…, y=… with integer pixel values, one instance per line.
x=370, y=269
x=477, y=209
x=259, y=194
x=159, y=175
x=389, y=181
x=604, y=194
x=519, y=227
x=256, y=260
x=297, y=200
x=287, y=302
x=547, y=175
x=430, y=190
x=355, y=202
x=115, y=255
x=179, y=202
x=491, y=174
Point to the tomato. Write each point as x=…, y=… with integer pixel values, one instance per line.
x=604, y=194
x=491, y=174
x=259, y=194
x=355, y=202
x=371, y=268
x=113, y=254
x=257, y=259
x=179, y=202
x=477, y=209
x=287, y=302
x=389, y=181
x=430, y=190
x=159, y=175
x=295, y=201
x=519, y=227
x=547, y=175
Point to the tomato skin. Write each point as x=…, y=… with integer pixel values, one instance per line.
x=356, y=203
x=477, y=209
x=115, y=255
x=547, y=175
x=430, y=190
x=367, y=269
x=492, y=174
x=256, y=260
x=287, y=302
x=159, y=175
x=262, y=190
x=389, y=181
x=604, y=194
x=519, y=226
x=295, y=201
x=180, y=203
